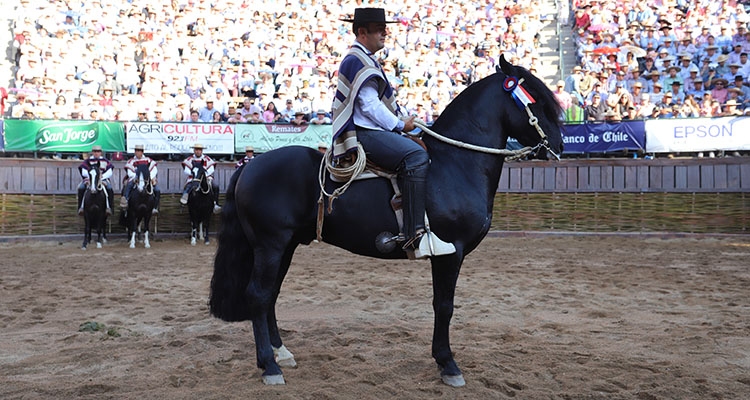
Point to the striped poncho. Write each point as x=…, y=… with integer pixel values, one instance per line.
x=356, y=68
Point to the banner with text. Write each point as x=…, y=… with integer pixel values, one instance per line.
x=62, y=136
x=604, y=137
x=179, y=137
x=700, y=134
x=266, y=137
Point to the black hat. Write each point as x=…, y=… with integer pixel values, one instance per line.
x=369, y=14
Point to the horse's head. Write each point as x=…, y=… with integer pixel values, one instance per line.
x=538, y=124
x=95, y=178
x=142, y=177
x=199, y=175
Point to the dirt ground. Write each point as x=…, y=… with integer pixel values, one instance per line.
x=537, y=317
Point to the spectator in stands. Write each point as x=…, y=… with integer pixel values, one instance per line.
x=288, y=112
x=207, y=113
x=299, y=119
x=321, y=118
x=645, y=108
x=719, y=91
x=597, y=109
x=271, y=114
x=678, y=95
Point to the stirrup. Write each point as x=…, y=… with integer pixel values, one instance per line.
x=123, y=202
x=217, y=208
x=427, y=244
x=154, y=211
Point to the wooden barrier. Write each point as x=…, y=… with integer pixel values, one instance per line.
x=665, y=195
x=690, y=175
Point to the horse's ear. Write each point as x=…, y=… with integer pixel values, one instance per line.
x=505, y=65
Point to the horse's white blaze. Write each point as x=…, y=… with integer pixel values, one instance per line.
x=145, y=240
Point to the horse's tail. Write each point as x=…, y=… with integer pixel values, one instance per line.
x=232, y=264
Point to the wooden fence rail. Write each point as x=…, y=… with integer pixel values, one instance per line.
x=706, y=175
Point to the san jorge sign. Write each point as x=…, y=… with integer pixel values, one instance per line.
x=63, y=136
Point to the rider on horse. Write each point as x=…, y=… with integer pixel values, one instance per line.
x=365, y=111
x=130, y=168
x=208, y=166
x=105, y=167
x=249, y=155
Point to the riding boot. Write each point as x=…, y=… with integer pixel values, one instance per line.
x=157, y=197
x=217, y=207
x=81, y=191
x=110, y=199
x=184, y=197
x=420, y=241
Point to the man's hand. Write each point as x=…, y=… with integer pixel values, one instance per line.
x=409, y=124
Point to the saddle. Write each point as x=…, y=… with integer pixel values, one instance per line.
x=385, y=242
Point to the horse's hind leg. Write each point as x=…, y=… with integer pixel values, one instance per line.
x=262, y=291
x=282, y=355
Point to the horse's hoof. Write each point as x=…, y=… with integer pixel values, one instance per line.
x=453, y=380
x=104, y=241
x=192, y=242
x=287, y=363
x=98, y=245
x=148, y=246
x=206, y=243
x=132, y=245
x=83, y=248
x=273, y=380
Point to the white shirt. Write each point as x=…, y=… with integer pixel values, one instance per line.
x=370, y=112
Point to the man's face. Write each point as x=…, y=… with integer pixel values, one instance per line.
x=374, y=38
x=139, y=153
x=198, y=152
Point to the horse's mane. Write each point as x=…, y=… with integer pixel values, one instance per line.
x=467, y=99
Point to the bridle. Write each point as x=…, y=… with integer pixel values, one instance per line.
x=523, y=99
x=145, y=182
x=200, y=182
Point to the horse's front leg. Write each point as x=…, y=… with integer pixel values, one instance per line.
x=86, y=234
x=445, y=271
x=204, y=226
x=146, y=242
x=193, y=233
x=99, y=231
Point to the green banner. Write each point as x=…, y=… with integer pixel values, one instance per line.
x=267, y=137
x=63, y=136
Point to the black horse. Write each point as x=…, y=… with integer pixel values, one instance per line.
x=200, y=204
x=94, y=208
x=271, y=208
x=140, y=205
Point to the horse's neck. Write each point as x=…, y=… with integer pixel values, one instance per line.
x=463, y=169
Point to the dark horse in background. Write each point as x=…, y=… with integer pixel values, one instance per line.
x=200, y=204
x=271, y=208
x=140, y=205
x=94, y=208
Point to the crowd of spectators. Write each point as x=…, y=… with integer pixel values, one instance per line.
x=641, y=59
x=245, y=61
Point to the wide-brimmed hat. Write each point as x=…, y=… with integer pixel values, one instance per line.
x=367, y=15
x=249, y=148
x=138, y=147
x=322, y=145
x=198, y=146
x=96, y=147
x=722, y=80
